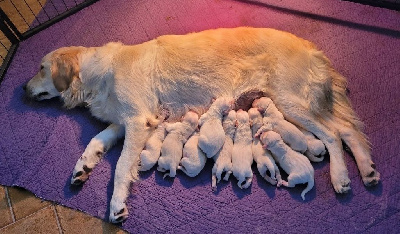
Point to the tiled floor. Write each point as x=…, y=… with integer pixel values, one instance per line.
x=22, y=212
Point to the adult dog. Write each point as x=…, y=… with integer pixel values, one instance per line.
x=126, y=85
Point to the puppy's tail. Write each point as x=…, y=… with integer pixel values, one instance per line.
x=310, y=185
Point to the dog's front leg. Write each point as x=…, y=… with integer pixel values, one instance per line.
x=94, y=152
x=136, y=134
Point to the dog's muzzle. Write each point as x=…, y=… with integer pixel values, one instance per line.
x=31, y=95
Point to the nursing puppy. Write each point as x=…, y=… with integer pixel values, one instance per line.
x=194, y=159
x=212, y=135
x=223, y=159
x=124, y=85
x=297, y=166
x=263, y=158
x=274, y=120
x=242, y=157
x=315, y=148
x=150, y=154
x=171, y=149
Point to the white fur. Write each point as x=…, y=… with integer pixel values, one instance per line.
x=274, y=120
x=263, y=158
x=315, y=148
x=125, y=85
x=150, y=154
x=194, y=159
x=172, y=147
x=242, y=156
x=212, y=136
x=297, y=166
x=223, y=159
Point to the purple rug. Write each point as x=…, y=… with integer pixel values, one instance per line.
x=40, y=142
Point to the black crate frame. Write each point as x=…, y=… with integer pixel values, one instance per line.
x=15, y=36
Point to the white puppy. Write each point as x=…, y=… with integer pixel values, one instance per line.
x=212, y=135
x=315, y=148
x=274, y=120
x=171, y=149
x=223, y=159
x=297, y=166
x=263, y=158
x=150, y=154
x=242, y=157
x=194, y=159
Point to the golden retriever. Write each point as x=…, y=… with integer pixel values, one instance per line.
x=125, y=85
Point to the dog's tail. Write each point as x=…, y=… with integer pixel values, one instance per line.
x=342, y=109
x=310, y=185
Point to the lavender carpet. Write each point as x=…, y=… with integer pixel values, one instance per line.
x=40, y=142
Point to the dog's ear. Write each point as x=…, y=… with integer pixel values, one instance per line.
x=64, y=68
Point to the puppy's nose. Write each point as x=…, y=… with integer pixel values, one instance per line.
x=24, y=87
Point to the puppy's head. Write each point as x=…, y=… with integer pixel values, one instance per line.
x=59, y=71
x=192, y=118
x=262, y=103
x=224, y=104
x=254, y=114
x=242, y=117
x=270, y=138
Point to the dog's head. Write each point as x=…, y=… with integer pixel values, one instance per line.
x=59, y=73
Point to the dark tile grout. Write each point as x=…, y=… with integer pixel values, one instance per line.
x=10, y=205
x=53, y=206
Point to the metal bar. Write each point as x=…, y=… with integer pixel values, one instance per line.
x=58, y=18
x=7, y=61
x=66, y=7
x=379, y=3
x=5, y=47
x=12, y=33
x=31, y=11
x=45, y=12
x=19, y=13
x=54, y=7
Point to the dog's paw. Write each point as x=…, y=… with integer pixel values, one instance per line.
x=118, y=213
x=342, y=185
x=372, y=177
x=80, y=176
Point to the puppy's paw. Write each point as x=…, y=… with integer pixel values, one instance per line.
x=118, y=212
x=372, y=176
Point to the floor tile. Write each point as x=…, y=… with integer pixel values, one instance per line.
x=43, y=221
x=5, y=212
x=24, y=202
x=72, y=221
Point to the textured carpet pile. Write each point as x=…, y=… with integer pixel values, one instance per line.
x=40, y=142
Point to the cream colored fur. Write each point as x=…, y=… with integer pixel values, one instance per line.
x=194, y=159
x=212, y=136
x=177, y=135
x=151, y=153
x=223, y=159
x=242, y=156
x=274, y=121
x=263, y=158
x=126, y=84
x=297, y=166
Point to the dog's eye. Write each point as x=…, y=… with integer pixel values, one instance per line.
x=41, y=67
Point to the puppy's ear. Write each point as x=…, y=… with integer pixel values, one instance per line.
x=64, y=68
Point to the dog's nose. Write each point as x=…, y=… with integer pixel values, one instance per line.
x=24, y=87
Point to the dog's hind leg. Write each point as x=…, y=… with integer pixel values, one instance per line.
x=359, y=147
x=136, y=135
x=302, y=117
x=94, y=152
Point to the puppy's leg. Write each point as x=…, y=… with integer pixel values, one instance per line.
x=94, y=152
x=361, y=152
x=136, y=134
x=298, y=115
